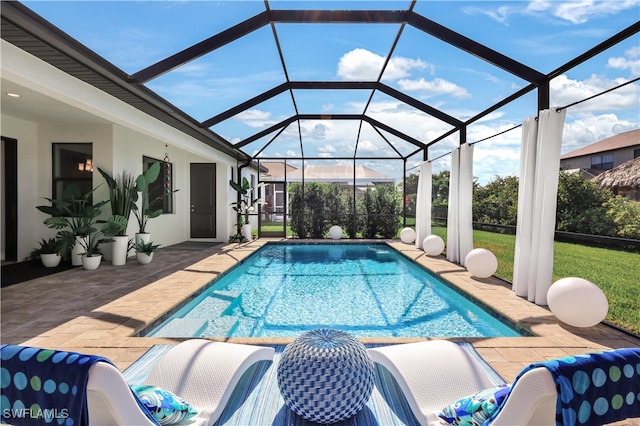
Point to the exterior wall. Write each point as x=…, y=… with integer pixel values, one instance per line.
x=584, y=162
x=30, y=184
x=121, y=136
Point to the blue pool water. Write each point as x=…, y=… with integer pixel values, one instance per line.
x=283, y=290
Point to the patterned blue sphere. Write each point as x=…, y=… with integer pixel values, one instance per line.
x=325, y=375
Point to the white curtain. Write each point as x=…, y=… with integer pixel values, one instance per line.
x=460, y=214
x=537, y=201
x=423, y=204
x=452, y=209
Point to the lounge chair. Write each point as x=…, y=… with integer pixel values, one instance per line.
x=434, y=374
x=201, y=372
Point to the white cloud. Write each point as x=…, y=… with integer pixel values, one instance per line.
x=565, y=91
x=575, y=12
x=319, y=131
x=631, y=62
x=364, y=65
x=579, y=12
x=253, y=114
x=437, y=86
x=590, y=128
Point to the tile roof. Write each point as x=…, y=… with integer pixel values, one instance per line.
x=621, y=140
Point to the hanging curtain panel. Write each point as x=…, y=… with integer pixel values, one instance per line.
x=460, y=214
x=423, y=204
x=524, y=225
x=465, y=203
x=533, y=266
x=452, y=211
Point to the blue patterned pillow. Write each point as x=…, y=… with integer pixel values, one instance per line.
x=163, y=405
x=474, y=409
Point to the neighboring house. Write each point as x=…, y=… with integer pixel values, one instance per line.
x=281, y=174
x=275, y=174
x=57, y=128
x=606, y=154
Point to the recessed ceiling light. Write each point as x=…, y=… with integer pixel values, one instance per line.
x=13, y=95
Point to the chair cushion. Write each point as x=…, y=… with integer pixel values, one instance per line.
x=475, y=409
x=166, y=407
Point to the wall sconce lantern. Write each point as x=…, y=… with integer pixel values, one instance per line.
x=87, y=166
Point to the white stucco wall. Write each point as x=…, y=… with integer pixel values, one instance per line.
x=125, y=136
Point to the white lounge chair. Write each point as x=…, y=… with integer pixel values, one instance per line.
x=202, y=372
x=433, y=374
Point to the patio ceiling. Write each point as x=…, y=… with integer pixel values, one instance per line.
x=296, y=99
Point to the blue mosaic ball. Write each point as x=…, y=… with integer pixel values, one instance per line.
x=325, y=376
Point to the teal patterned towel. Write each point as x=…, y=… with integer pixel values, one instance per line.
x=45, y=387
x=596, y=388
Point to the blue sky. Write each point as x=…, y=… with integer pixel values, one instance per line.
x=542, y=34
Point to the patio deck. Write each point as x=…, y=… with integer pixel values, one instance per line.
x=99, y=311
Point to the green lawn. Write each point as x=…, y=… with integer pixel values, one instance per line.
x=615, y=272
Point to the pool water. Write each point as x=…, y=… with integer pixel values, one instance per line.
x=283, y=290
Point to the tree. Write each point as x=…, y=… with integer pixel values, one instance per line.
x=496, y=202
x=581, y=206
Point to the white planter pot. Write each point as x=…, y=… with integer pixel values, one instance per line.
x=76, y=257
x=119, y=250
x=91, y=262
x=146, y=237
x=50, y=260
x=246, y=231
x=144, y=258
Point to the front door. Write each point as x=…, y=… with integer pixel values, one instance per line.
x=203, y=200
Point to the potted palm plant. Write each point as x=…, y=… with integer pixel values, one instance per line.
x=92, y=256
x=122, y=193
x=245, y=205
x=49, y=252
x=145, y=250
x=74, y=217
x=146, y=211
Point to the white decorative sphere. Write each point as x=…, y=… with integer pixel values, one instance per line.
x=481, y=263
x=335, y=232
x=408, y=235
x=577, y=302
x=433, y=245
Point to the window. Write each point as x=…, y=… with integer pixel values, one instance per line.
x=72, y=164
x=636, y=153
x=602, y=162
x=162, y=189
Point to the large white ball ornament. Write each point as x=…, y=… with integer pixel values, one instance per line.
x=577, y=302
x=335, y=232
x=433, y=245
x=408, y=235
x=481, y=263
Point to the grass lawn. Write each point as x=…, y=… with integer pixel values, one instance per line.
x=616, y=272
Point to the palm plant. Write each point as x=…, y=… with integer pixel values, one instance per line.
x=245, y=205
x=122, y=195
x=92, y=242
x=145, y=212
x=48, y=246
x=146, y=248
x=73, y=215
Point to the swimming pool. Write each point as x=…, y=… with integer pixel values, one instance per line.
x=368, y=290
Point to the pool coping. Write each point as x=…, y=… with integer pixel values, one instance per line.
x=100, y=311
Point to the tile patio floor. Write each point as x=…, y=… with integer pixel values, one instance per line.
x=99, y=311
